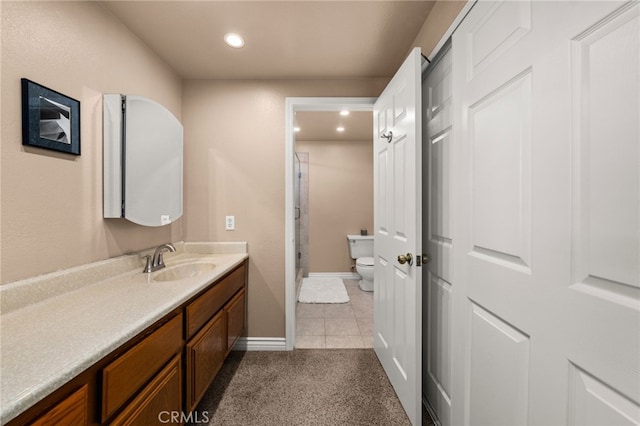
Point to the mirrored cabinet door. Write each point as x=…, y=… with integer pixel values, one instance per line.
x=150, y=142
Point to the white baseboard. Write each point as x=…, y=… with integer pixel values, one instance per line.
x=260, y=344
x=341, y=275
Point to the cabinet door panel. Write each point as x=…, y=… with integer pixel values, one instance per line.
x=235, y=319
x=70, y=411
x=161, y=399
x=123, y=377
x=205, y=355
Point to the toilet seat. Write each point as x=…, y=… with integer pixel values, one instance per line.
x=364, y=261
x=365, y=268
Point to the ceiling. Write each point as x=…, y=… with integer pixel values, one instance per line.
x=321, y=126
x=303, y=39
x=284, y=39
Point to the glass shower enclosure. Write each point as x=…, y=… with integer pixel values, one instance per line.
x=301, y=199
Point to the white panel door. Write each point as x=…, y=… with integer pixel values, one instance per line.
x=437, y=235
x=397, y=214
x=546, y=191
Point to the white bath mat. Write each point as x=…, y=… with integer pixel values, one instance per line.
x=323, y=290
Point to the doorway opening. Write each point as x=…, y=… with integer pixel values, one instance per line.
x=334, y=163
x=294, y=105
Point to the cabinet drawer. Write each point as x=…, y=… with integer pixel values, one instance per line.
x=235, y=319
x=199, y=311
x=126, y=375
x=70, y=411
x=205, y=354
x=159, y=400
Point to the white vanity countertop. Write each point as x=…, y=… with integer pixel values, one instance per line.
x=47, y=343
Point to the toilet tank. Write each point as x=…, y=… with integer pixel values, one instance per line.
x=360, y=246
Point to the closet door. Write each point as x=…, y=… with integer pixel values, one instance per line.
x=547, y=224
x=437, y=235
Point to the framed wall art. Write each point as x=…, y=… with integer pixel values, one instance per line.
x=50, y=119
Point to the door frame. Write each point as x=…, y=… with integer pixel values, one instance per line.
x=292, y=105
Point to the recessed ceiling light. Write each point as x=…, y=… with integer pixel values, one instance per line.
x=296, y=129
x=344, y=112
x=234, y=40
x=340, y=129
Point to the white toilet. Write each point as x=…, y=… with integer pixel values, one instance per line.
x=361, y=249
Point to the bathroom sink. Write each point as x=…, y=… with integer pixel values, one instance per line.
x=182, y=271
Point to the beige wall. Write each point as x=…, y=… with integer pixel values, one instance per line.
x=51, y=203
x=340, y=199
x=234, y=156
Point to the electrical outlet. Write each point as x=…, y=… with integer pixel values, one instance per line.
x=230, y=223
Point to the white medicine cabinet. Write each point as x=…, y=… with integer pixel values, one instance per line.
x=143, y=161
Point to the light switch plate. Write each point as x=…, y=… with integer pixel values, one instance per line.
x=230, y=223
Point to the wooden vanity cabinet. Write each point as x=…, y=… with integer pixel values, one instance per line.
x=200, y=311
x=222, y=310
x=163, y=371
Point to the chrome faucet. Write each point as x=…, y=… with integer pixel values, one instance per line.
x=156, y=261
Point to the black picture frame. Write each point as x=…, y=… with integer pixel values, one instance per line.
x=50, y=119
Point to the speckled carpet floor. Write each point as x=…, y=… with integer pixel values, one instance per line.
x=302, y=387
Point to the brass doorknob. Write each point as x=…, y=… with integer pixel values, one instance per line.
x=405, y=258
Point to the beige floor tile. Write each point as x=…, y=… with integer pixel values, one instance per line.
x=362, y=301
x=365, y=325
x=310, y=327
x=352, y=290
x=310, y=342
x=345, y=325
x=309, y=310
x=362, y=297
x=362, y=310
x=351, y=342
x=341, y=327
x=367, y=341
x=338, y=310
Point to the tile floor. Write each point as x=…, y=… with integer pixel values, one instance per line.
x=336, y=325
